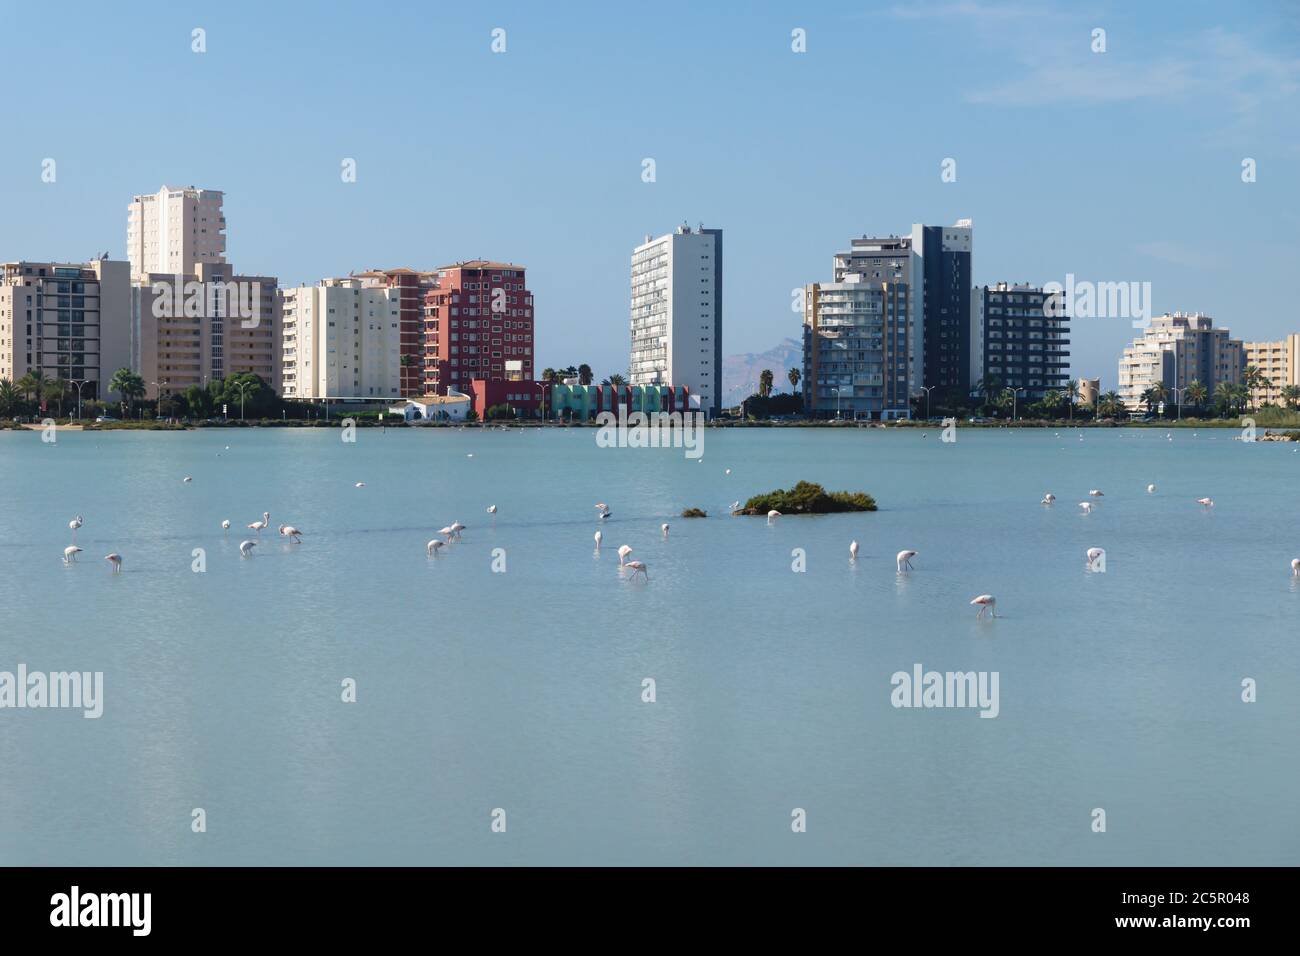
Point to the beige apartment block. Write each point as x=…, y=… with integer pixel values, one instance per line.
x=1279, y=362
x=342, y=339
x=70, y=321
x=1175, y=350
x=174, y=230
x=191, y=329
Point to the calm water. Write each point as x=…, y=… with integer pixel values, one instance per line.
x=522, y=690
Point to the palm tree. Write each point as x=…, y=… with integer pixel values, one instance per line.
x=1253, y=380
x=9, y=398
x=1149, y=399
x=765, y=382
x=990, y=387
x=32, y=384
x=1070, y=392
x=584, y=374
x=56, y=389
x=1160, y=392
x=129, y=385
x=1196, y=393
x=793, y=375
x=618, y=380
x=1290, y=395
x=1110, y=405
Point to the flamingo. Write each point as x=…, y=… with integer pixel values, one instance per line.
x=1295, y=566
x=359, y=484
x=903, y=560
x=623, y=552
x=638, y=567
x=598, y=536
x=432, y=547
x=1207, y=502
x=70, y=554
x=664, y=528
x=74, y=524
x=289, y=531
x=1151, y=489
x=115, y=560
x=1048, y=498
x=773, y=515
x=986, y=602
x=727, y=472
x=492, y=509
x=225, y=525
x=246, y=548
x=447, y=532
x=259, y=525
x=853, y=551
x=457, y=528
x=1095, y=493
x=735, y=506
x=1094, y=556
x=186, y=480
x=1086, y=506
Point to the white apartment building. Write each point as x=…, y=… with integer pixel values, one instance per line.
x=677, y=313
x=69, y=321
x=341, y=339
x=173, y=230
x=1175, y=350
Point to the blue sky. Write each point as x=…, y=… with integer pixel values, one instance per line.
x=1116, y=166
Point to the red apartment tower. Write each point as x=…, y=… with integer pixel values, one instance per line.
x=411, y=287
x=478, y=323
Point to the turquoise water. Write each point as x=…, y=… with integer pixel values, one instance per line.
x=522, y=690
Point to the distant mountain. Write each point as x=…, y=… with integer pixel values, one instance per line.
x=740, y=372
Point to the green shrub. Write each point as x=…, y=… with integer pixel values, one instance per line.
x=695, y=513
x=808, y=498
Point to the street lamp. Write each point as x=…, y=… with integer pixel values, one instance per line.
x=1014, y=392
x=243, y=385
x=160, y=386
x=926, y=389
x=837, y=402
x=541, y=387
x=80, y=383
x=1178, y=397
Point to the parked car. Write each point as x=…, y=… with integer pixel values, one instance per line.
x=104, y=418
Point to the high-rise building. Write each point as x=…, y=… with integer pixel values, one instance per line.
x=1022, y=334
x=194, y=329
x=174, y=230
x=68, y=321
x=341, y=339
x=676, y=317
x=411, y=287
x=1279, y=362
x=478, y=324
x=1175, y=350
x=855, y=349
x=935, y=262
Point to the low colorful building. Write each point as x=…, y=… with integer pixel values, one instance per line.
x=588, y=401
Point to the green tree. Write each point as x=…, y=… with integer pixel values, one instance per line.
x=584, y=374
x=794, y=375
x=10, y=398
x=1070, y=392
x=1290, y=396
x=129, y=385
x=765, y=378
x=618, y=380
x=1109, y=405
x=250, y=394
x=55, y=390
x=1196, y=394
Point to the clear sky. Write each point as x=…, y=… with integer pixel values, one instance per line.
x=1117, y=166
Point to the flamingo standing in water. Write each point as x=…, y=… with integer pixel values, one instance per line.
x=246, y=548
x=289, y=531
x=491, y=509
x=986, y=602
x=447, y=532
x=1048, y=498
x=1095, y=493
x=1207, y=502
x=773, y=515
x=903, y=560
x=225, y=525
x=432, y=547
x=598, y=536
x=74, y=524
x=1095, y=558
x=457, y=528
x=1295, y=566
x=664, y=528
x=70, y=554
x=1086, y=506
x=638, y=567
x=623, y=552
x=115, y=560
x=1151, y=489
x=853, y=551
x=259, y=525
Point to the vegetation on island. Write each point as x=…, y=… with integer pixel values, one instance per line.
x=695, y=513
x=808, y=498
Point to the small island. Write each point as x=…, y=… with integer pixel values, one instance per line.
x=808, y=498
x=694, y=513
